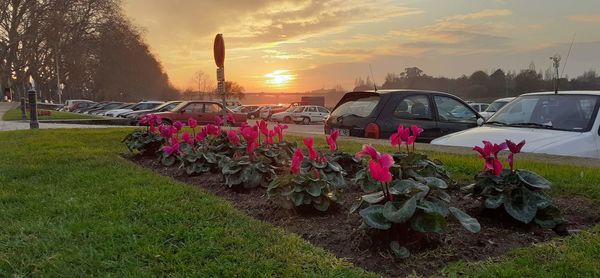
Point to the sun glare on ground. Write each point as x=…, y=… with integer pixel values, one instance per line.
x=279, y=78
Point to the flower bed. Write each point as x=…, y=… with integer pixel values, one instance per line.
x=414, y=217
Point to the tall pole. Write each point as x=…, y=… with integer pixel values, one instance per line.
x=219, y=53
x=33, y=119
x=556, y=63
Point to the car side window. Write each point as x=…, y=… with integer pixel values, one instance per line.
x=312, y=109
x=212, y=108
x=323, y=110
x=190, y=108
x=414, y=107
x=483, y=107
x=451, y=110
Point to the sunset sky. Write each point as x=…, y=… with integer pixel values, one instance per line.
x=295, y=46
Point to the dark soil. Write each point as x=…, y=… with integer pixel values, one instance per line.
x=338, y=231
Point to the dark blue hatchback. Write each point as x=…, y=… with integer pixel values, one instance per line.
x=377, y=114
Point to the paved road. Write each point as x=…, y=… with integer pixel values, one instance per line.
x=18, y=125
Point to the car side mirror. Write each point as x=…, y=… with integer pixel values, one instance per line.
x=480, y=121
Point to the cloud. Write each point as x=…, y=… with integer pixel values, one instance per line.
x=481, y=14
x=585, y=18
x=536, y=26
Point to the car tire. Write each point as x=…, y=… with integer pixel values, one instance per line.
x=166, y=122
x=287, y=119
x=306, y=120
x=252, y=116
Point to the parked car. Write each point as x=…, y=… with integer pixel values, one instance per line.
x=378, y=114
x=93, y=106
x=495, y=106
x=203, y=111
x=566, y=123
x=252, y=111
x=285, y=116
x=143, y=105
x=307, y=114
x=111, y=106
x=99, y=106
x=267, y=111
x=478, y=106
x=134, y=115
x=73, y=104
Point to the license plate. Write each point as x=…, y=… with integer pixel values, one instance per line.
x=344, y=132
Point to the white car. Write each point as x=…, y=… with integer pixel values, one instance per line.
x=286, y=116
x=478, y=106
x=494, y=107
x=307, y=114
x=144, y=105
x=567, y=123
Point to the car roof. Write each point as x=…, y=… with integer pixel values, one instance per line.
x=477, y=103
x=404, y=91
x=505, y=99
x=592, y=93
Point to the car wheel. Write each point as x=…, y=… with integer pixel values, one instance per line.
x=287, y=120
x=252, y=116
x=306, y=121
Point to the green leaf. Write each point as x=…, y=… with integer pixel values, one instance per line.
x=520, y=205
x=401, y=215
x=549, y=217
x=314, y=189
x=297, y=198
x=435, y=182
x=541, y=199
x=532, y=179
x=373, y=217
x=373, y=198
x=470, y=223
x=355, y=206
x=494, y=201
x=429, y=223
x=434, y=206
x=400, y=186
x=400, y=251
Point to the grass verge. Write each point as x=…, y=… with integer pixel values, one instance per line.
x=15, y=115
x=71, y=206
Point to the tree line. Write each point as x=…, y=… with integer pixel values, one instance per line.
x=481, y=85
x=90, y=46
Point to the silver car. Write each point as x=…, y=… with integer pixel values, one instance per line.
x=307, y=114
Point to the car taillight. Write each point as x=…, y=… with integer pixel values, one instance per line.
x=372, y=131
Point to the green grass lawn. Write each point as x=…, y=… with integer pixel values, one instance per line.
x=71, y=206
x=15, y=115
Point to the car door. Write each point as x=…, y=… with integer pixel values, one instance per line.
x=312, y=113
x=408, y=110
x=453, y=115
x=211, y=111
x=192, y=110
x=323, y=113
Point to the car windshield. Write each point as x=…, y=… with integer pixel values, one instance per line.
x=299, y=109
x=496, y=105
x=560, y=112
x=361, y=106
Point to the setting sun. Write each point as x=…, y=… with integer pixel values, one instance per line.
x=279, y=78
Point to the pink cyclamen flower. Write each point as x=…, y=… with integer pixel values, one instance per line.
x=368, y=150
x=172, y=148
x=186, y=137
x=192, y=123
x=143, y=120
x=263, y=127
x=380, y=169
x=270, y=136
x=229, y=118
x=514, y=149
x=233, y=137
x=309, y=142
x=152, y=129
x=416, y=131
x=213, y=130
x=218, y=121
x=396, y=139
x=297, y=161
x=332, y=140
x=178, y=125
x=250, y=134
x=279, y=131
x=489, y=153
x=154, y=119
x=165, y=131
